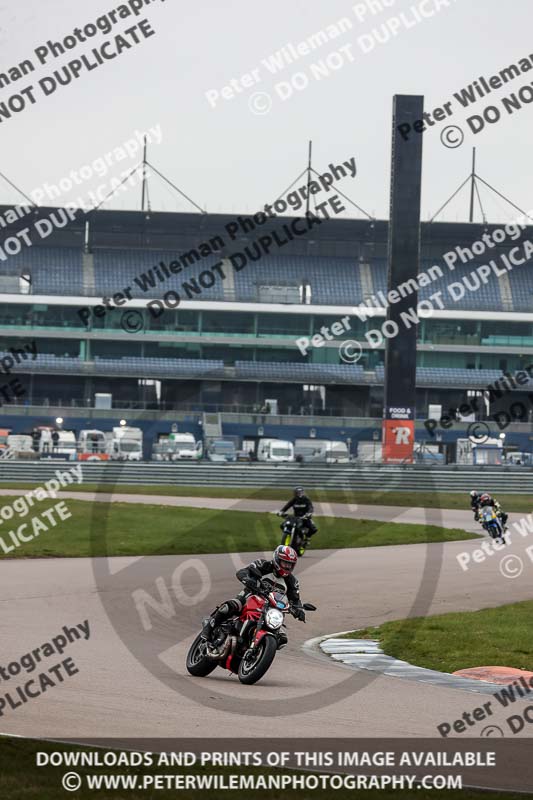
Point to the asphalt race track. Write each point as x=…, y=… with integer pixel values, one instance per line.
x=304, y=693
x=451, y=518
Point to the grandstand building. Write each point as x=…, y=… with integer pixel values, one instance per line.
x=226, y=338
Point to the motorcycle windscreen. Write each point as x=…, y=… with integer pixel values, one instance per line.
x=280, y=600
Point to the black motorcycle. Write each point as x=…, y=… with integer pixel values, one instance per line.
x=295, y=532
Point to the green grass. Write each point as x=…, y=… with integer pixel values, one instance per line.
x=500, y=636
x=131, y=529
x=457, y=500
x=21, y=779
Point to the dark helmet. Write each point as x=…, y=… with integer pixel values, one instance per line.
x=299, y=491
x=284, y=559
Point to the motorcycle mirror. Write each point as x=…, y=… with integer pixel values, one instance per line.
x=309, y=607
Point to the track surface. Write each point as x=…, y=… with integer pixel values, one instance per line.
x=115, y=695
x=451, y=518
x=307, y=694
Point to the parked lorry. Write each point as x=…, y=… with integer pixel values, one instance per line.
x=4, y=435
x=18, y=446
x=177, y=447
x=92, y=446
x=221, y=450
x=125, y=444
x=274, y=450
x=55, y=443
x=321, y=450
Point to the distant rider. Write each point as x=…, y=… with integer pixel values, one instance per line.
x=479, y=500
x=302, y=507
x=278, y=570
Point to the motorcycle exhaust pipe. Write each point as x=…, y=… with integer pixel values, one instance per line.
x=222, y=654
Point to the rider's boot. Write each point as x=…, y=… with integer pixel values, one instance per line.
x=208, y=628
x=219, y=615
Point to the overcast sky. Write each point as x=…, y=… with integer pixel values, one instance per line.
x=229, y=158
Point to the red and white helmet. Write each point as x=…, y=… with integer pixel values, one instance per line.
x=485, y=499
x=284, y=559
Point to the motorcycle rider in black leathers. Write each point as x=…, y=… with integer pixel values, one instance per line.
x=302, y=507
x=278, y=570
x=479, y=500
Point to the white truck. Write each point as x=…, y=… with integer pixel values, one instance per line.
x=92, y=445
x=221, y=451
x=125, y=444
x=177, y=447
x=18, y=446
x=275, y=450
x=322, y=450
x=60, y=444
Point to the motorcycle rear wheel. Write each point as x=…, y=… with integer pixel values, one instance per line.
x=252, y=672
x=197, y=664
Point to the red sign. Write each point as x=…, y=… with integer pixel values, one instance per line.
x=93, y=457
x=398, y=441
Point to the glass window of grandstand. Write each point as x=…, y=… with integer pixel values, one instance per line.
x=171, y=350
x=450, y=331
x=353, y=329
x=40, y=316
x=283, y=325
x=172, y=321
x=67, y=348
x=15, y=316
x=507, y=334
x=483, y=360
x=223, y=324
x=279, y=354
x=116, y=349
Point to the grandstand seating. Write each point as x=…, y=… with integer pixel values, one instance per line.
x=201, y=368
x=267, y=371
x=275, y=371
x=487, y=297
x=333, y=280
x=163, y=367
x=116, y=269
x=441, y=376
x=521, y=279
x=54, y=270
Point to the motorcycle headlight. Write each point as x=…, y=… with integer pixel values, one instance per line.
x=274, y=618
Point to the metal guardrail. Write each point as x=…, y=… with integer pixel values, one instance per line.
x=343, y=477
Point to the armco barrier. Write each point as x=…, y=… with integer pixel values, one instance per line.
x=350, y=476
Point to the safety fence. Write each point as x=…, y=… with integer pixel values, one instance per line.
x=313, y=476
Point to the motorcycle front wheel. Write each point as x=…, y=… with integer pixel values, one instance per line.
x=299, y=545
x=253, y=667
x=197, y=662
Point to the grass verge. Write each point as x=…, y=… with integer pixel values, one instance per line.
x=453, y=500
x=21, y=779
x=500, y=636
x=121, y=529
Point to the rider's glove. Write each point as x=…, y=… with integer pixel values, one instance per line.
x=251, y=583
x=279, y=513
x=299, y=613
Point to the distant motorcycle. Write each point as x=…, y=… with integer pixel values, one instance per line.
x=492, y=523
x=247, y=643
x=295, y=532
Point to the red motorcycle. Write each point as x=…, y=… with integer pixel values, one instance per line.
x=246, y=644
